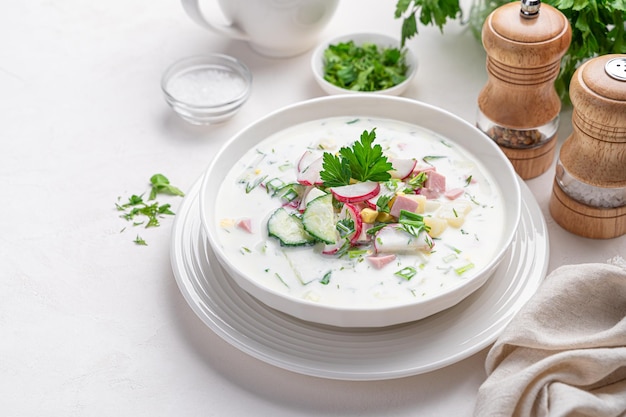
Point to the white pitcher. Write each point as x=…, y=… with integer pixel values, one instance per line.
x=276, y=28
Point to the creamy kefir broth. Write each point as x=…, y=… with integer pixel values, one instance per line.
x=354, y=281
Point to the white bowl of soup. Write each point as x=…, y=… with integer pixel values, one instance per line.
x=360, y=210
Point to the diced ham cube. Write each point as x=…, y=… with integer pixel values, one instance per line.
x=429, y=194
x=435, y=182
x=244, y=224
x=379, y=261
x=454, y=193
x=403, y=202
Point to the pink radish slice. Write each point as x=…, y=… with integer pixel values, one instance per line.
x=306, y=159
x=357, y=192
x=310, y=194
x=310, y=175
x=402, y=167
x=351, y=212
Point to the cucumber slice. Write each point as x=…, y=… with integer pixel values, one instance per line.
x=319, y=219
x=288, y=229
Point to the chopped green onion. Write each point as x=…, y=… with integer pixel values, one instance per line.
x=429, y=158
x=345, y=227
x=281, y=279
x=463, y=269
x=273, y=185
x=326, y=278
x=449, y=258
x=407, y=272
x=253, y=185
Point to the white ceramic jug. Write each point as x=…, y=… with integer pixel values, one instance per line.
x=276, y=28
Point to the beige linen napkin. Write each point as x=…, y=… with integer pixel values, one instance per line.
x=564, y=353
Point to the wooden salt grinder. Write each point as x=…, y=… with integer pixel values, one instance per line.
x=593, y=157
x=519, y=107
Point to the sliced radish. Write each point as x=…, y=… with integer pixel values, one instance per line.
x=310, y=194
x=402, y=167
x=306, y=159
x=394, y=239
x=357, y=192
x=351, y=212
x=310, y=175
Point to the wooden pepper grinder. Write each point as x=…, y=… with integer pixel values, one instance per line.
x=589, y=192
x=519, y=107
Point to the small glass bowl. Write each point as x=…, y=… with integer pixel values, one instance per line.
x=206, y=89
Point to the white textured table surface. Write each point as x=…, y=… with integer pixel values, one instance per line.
x=93, y=325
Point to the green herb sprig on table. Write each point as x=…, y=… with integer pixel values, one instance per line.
x=367, y=67
x=598, y=27
x=140, y=212
x=430, y=12
x=364, y=161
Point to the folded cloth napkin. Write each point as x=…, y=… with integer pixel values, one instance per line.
x=564, y=353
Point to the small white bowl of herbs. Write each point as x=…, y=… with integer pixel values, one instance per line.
x=363, y=63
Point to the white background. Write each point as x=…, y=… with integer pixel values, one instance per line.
x=93, y=325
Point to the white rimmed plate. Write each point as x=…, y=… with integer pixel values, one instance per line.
x=349, y=353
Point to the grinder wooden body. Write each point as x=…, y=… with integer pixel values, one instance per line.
x=595, y=152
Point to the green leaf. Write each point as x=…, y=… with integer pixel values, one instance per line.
x=367, y=162
x=160, y=184
x=335, y=171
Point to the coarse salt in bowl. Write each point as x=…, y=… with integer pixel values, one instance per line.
x=206, y=89
x=238, y=195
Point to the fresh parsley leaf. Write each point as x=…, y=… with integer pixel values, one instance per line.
x=367, y=162
x=161, y=185
x=335, y=171
x=139, y=241
x=435, y=12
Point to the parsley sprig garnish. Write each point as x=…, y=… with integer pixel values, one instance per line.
x=148, y=213
x=363, y=161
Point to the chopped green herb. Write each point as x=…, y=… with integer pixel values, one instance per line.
x=382, y=204
x=161, y=185
x=345, y=227
x=272, y=186
x=281, y=279
x=429, y=158
x=463, y=269
x=252, y=185
x=413, y=223
x=367, y=67
x=139, y=212
x=407, y=272
x=468, y=181
x=326, y=278
x=449, y=258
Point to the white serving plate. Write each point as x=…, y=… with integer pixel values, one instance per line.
x=452, y=128
x=317, y=62
x=350, y=353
